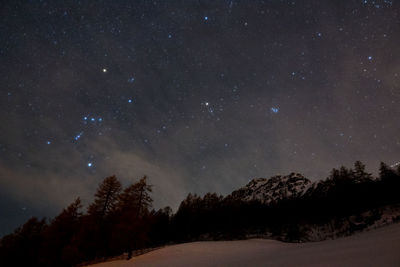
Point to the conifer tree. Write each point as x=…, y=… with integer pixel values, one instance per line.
x=385, y=172
x=359, y=172
x=106, y=197
x=131, y=229
x=59, y=235
x=136, y=198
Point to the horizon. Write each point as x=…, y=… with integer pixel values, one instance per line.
x=174, y=209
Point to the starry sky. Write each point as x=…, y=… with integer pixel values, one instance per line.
x=198, y=95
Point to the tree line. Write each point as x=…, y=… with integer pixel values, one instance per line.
x=121, y=220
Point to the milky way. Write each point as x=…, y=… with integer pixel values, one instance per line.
x=198, y=95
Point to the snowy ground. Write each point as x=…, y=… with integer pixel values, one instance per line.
x=380, y=247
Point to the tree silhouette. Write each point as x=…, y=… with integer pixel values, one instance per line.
x=160, y=230
x=385, y=172
x=93, y=238
x=131, y=221
x=106, y=197
x=22, y=247
x=359, y=172
x=59, y=234
x=136, y=197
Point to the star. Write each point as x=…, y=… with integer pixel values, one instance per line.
x=78, y=136
x=104, y=70
x=129, y=100
x=205, y=18
x=274, y=109
x=48, y=142
x=89, y=164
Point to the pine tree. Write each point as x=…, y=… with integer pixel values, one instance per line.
x=71, y=214
x=22, y=247
x=132, y=223
x=334, y=175
x=385, y=172
x=345, y=173
x=59, y=235
x=106, y=197
x=359, y=172
x=136, y=198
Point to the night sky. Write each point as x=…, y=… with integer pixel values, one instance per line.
x=198, y=95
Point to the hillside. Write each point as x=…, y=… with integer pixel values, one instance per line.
x=377, y=247
x=273, y=189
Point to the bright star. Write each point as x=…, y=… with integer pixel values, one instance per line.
x=205, y=18
x=104, y=70
x=92, y=119
x=48, y=142
x=370, y=58
x=85, y=118
x=129, y=100
x=78, y=136
x=89, y=164
x=100, y=119
x=207, y=103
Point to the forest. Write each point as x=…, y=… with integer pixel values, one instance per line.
x=122, y=220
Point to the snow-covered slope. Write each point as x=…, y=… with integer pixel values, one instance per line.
x=274, y=188
x=378, y=247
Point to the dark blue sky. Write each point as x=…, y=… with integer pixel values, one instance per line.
x=199, y=95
